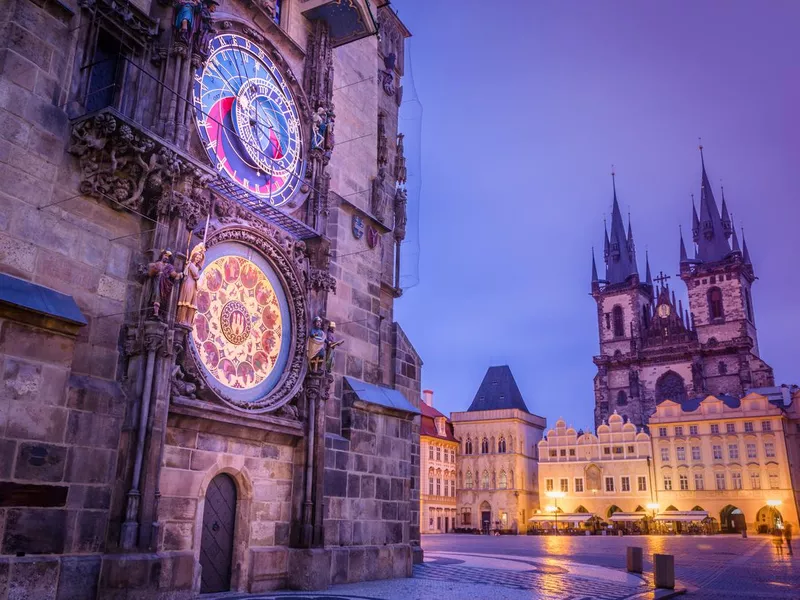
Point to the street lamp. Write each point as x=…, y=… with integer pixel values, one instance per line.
x=555, y=496
x=772, y=510
x=654, y=507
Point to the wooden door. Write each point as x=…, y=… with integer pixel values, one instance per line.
x=216, y=545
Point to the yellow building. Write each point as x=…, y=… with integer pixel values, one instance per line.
x=725, y=457
x=438, y=451
x=607, y=475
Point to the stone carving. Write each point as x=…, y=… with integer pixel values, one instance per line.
x=400, y=214
x=188, y=27
x=400, y=171
x=287, y=411
x=319, y=126
x=378, y=198
x=322, y=281
x=184, y=18
x=128, y=169
x=331, y=343
x=386, y=76
x=633, y=383
x=127, y=17
x=164, y=275
x=698, y=377
x=283, y=253
x=187, y=299
x=383, y=143
x=316, y=346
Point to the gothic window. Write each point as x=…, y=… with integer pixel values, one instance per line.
x=619, y=324
x=503, y=480
x=608, y=320
x=646, y=316
x=622, y=398
x=469, y=480
x=670, y=386
x=468, y=447
x=106, y=72
x=485, y=480
x=501, y=446
x=748, y=305
x=715, y=304
x=485, y=446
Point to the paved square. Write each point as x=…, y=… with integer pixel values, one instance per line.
x=578, y=568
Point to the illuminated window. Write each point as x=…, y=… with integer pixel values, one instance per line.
x=714, y=429
x=626, y=484
x=548, y=485
x=684, y=481
x=695, y=452
x=564, y=485
x=755, y=480
x=748, y=426
x=667, y=482
x=717, y=450
x=699, y=483
x=579, y=484
x=769, y=449
x=736, y=478
x=720, y=477
x=751, y=451
x=733, y=451
x=609, y=484
x=642, y=484
x=681, y=452
x=766, y=426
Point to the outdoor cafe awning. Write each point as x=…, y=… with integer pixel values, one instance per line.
x=623, y=517
x=682, y=515
x=562, y=518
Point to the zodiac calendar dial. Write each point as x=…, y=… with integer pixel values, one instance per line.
x=248, y=120
x=238, y=325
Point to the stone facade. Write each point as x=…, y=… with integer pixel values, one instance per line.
x=114, y=435
x=438, y=451
x=598, y=474
x=651, y=348
x=725, y=456
x=792, y=434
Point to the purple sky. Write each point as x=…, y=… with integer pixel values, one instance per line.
x=526, y=106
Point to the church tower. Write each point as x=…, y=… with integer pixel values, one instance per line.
x=651, y=347
x=624, y=308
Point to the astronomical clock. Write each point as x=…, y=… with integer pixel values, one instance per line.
x=250, y=307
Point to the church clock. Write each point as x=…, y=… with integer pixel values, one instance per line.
x=248, y=120
x=664, y=310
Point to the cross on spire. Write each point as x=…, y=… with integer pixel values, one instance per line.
x=662, y=279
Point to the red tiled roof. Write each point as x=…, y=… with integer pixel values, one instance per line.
x=428, y=425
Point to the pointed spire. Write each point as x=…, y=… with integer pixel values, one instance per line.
x=695, y=223
x=727, y=224
x=712, y=243
x=745, y=252
x=648, y=278
x=630, y=229
x=607, y=244
x=621, y=260
x=595, y=279
x=684, y=256
x=734, y=238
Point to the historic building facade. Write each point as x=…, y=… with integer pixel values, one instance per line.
x=179, y=237
x=497, y=460
x=604, y=474
x=725, y=456
x=651, y=348
x=438, y=452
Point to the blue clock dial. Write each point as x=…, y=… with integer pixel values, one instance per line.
x=248, y=120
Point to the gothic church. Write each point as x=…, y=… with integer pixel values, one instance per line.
x=651, y=347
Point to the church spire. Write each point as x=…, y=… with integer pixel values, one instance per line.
x=712, y=243
x=648, y=277
x=684, y=256
x=727, y=224
x=745, y=252
x=595, y=279
x=734, y=239
x=620, y=256
x=695, y=223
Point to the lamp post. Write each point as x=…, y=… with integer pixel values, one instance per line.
x=654, y=507
x=772, y=504
x=555, y=496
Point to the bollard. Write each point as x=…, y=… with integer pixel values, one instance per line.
x=635, y=560
x=664, y=571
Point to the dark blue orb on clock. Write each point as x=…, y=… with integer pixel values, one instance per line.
x=248, y=120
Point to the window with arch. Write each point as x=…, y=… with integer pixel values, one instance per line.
x=715, y=310
x=468, y=447
x=485, y=480
x=503, y=480
x=430, y=482
x=748, y=305
x=485, y=446
x=622, y=398
x=468, y=480
x=501, y=446
x=494, y=480
x=619, y=323
x=511, y=479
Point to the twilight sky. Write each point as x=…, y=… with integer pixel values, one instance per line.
x=526, y=106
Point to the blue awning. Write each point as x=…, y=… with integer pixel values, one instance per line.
x=382, y=396
x=39, y=299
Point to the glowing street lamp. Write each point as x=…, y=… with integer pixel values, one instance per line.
x=772, y=509
x=654, y=507
x=555, y=496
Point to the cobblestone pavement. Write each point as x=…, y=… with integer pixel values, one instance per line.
x=578, y=568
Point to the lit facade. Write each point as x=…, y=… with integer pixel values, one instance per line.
x=597, y=474
x=727, y=457
x=438, y=452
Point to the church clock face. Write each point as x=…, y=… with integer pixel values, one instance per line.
x=663, y=310
x=248, y=120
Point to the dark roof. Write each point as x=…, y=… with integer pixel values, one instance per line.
x=620, y=254
x=382, y=396
x=692, y=404
x=39, y=299
x=712, y=236
x=428, y=424
x=498, y=391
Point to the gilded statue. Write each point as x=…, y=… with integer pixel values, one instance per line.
x=331, y=344
x=316, y=346
x=187, y=300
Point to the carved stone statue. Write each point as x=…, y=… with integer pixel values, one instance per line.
x=383, y=150
x=187, y=300
x=400, y=171
x=164, y=275
x=319, y=126
x=179, y=384
x=331, y=344
x=400, y=214
x=205, y=30
x=316, y=346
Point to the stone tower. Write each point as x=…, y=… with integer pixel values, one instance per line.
x=651, y=349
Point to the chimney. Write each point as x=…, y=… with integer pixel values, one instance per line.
x=427, y=397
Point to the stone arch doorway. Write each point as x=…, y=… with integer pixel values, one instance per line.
x=731, y=520
x=767, y=519
x=216, y=543
x=486, y=517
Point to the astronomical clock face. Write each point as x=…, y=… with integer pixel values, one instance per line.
x=241, y=329
x=663, y=310
x=248, y=120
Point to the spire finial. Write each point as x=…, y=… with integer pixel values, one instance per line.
x=595, y=279
x=614, y=180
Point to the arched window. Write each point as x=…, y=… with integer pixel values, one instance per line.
x=430, y=482
x=501, y=446
x=670, y=386
x=622, y=398
x=469, y=480
x=748, y=304
x=715, y=304
x=494, y=480
x=503, y=480
x=485, y=446
x=511, y=479
x=619, y=324
x=485, y=480
x=468, y=447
